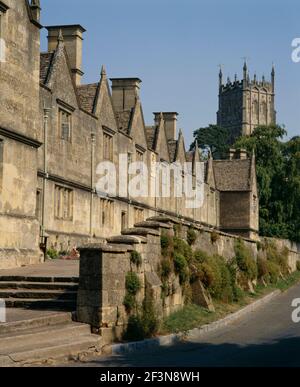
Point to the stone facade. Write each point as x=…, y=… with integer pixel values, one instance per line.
x=245, y=104
x=20, y=124
x=54, y=131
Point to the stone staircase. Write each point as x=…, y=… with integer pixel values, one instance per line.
x=41, y=293
x=45, y=339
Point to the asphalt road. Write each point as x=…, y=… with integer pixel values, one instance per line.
x=266, y=337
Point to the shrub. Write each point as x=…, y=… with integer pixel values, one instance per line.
x=182, y=248
x=52, y=254
x=214, y=236
x=133, y=284
x=280, y=258
x=245, y=260
x=166, y=268
x=298, y=265
x=216, y=277
x=134, y=331
x=144, y=324
x=263, y=269
x=274, y=271
x=191, y=236
x=136, y=258
x=129, y=302
x=200, y=256
x=164, y=242
x=150, y=322
x=181, y=267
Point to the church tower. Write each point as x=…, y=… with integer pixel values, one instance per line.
x=245, y=104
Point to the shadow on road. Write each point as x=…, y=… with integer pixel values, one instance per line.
x=282, y=353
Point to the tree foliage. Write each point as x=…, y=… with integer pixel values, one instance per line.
x=214, y=138
x=278, y=176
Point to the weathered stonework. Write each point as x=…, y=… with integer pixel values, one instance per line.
x=103, y=270
x=245, y=104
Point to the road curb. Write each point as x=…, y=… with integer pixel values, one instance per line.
x=163, y=341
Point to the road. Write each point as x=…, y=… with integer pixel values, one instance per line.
x=266, y=337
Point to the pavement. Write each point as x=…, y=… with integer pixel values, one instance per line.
x=52, y=268
x=265, y=337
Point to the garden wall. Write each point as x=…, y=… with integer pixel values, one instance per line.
x=104, y=268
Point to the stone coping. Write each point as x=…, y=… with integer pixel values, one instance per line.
x=127, y=239
x=140, y=231
x=109, y=248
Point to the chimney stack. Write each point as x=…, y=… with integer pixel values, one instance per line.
x=125, y=92
x=170, y=119
x=35, y=7
x=237, y=154
x=73, y=38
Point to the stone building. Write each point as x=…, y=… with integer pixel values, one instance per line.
x=55, y=130
x=245, y=104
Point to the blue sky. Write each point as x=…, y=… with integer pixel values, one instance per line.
x=175, y=47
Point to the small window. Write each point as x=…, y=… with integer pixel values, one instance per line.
x=139, y=156
x=38, y=208
x=106, y=213
x=107, y=147
x=124, y=223
x=63, y=203
x=138, y=215
x=65, y=124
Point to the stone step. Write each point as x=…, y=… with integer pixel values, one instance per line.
x=11, y=342
x=74, y=280
x=46, y=304
x=43, y=345
x=45, y=321
x=39, y=285
x=37, y=294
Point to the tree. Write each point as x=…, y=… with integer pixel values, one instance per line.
x=214, y=138
x=278, y=177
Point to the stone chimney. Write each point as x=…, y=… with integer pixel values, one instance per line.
x=72, y=35
x=242, y=154
x=170, y=119
x=237, y=154
x=35, y=10
x=125, y=92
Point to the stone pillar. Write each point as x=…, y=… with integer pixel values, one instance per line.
x=101, y=290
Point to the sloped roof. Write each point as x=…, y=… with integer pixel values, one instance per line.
x=45, y=65
x=233, y=175
x=123, y=119
x=189, y=156
x=87, y=96
x=172, y=149
x=150, y=134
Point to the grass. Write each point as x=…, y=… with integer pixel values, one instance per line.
x=194, y=316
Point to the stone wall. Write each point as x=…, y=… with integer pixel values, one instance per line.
x=103, y=270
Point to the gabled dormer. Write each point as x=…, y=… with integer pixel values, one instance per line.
x=59, y=66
